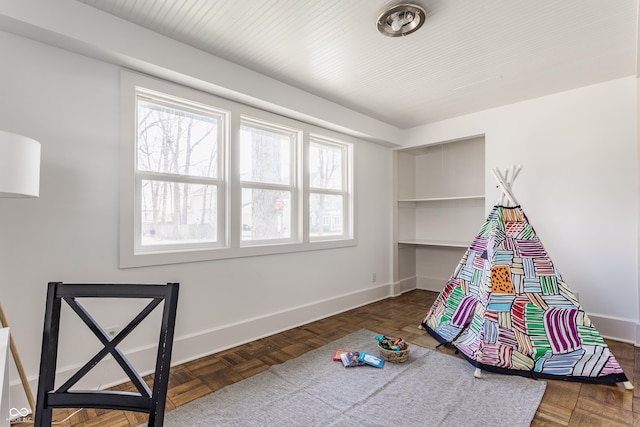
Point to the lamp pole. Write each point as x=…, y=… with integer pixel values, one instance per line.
x=16, y=359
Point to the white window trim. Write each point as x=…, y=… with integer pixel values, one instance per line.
x=230, y=233
x=295, y=180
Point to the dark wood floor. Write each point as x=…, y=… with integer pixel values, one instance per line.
x=563, y=404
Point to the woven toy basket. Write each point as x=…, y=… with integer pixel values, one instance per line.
x=394, y=356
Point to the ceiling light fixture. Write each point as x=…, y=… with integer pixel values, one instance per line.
x=401, y=20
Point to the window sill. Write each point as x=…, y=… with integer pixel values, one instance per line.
x=128, y=259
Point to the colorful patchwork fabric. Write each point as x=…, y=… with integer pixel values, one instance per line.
x=507, y=309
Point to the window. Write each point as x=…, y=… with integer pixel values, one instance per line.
x=178, y=185
x=329, y=188
x=206, y=178
x=268, y=180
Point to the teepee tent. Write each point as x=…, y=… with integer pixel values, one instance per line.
x=507, y=309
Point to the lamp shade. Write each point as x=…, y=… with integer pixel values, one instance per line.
x=19, y=166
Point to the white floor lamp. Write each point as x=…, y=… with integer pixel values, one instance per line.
x=19, y=177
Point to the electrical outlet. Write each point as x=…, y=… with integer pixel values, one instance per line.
x=373, y=278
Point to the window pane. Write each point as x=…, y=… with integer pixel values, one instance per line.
x=325, y=215
x=176, y=141
x=174, y=212
x=266, y=214
x=265, y=156
x=325, y=166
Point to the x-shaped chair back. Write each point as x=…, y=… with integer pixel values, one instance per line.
x=151, y=401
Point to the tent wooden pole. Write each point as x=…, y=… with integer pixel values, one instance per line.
x=505, y=183
x=16, y=359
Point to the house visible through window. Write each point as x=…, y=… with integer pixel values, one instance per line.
x=329, y=182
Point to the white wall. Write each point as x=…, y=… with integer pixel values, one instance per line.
x=578, y=186
x=70, y=104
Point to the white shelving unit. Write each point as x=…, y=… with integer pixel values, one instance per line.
x=439, y=207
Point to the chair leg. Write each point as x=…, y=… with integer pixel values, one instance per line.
x=48, y=357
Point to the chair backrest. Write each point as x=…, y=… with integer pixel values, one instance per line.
x=151, y=401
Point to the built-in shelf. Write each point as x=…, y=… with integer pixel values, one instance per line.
x=438, y=206
x=439, y=199
x=447, y=243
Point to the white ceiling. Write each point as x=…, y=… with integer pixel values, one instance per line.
x=469, y=56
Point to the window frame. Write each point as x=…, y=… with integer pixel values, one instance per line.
x=346, y=191
x=293, y=186
x=230, y=185
x=218, y=182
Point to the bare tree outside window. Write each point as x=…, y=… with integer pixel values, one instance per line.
x=177, y=160
x=265, y=172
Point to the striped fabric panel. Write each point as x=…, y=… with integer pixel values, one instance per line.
x=464, y=287
x=497, y=355
x=507, y=337
x=549, y=285
x=500, y=302
x=466, y=273
x=532, y=285
x=477, y=276
x=446, y=331
x=494, y=214
x=562, y=331
x=524, y=343
x=478, y=261
x=590, y=336
x=476, y=321
x=516, y=266
x=479, y=244
x=521, y=361
x=527, y=265
x=503, y=257
x=527, y=233
x=491, y=316
x=468, y=259
x=512, y=215
x=611, y=367
x=464, y=311
x=496, y=239
x=530, y=248
x=485, y=229
x=538, y=301
x=593, y=361
x=490, y=332
x=544, y=267
x=513, y=228
x=508, y=244
x=518, y=282
x=562, y=364
x=517, y=313
x=504, y=319
x=558, y=301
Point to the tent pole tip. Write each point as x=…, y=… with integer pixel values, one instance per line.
x=478, y=373
x=627, y=385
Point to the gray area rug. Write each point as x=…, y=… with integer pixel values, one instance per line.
x=430, y=389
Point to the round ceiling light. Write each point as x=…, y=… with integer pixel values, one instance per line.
x=401, y=20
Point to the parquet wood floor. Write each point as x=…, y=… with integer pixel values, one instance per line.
x=563, y=404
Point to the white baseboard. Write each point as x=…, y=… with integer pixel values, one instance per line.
x=204, y=343
x=404, y=285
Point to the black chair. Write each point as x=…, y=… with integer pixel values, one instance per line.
x=145, y=400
